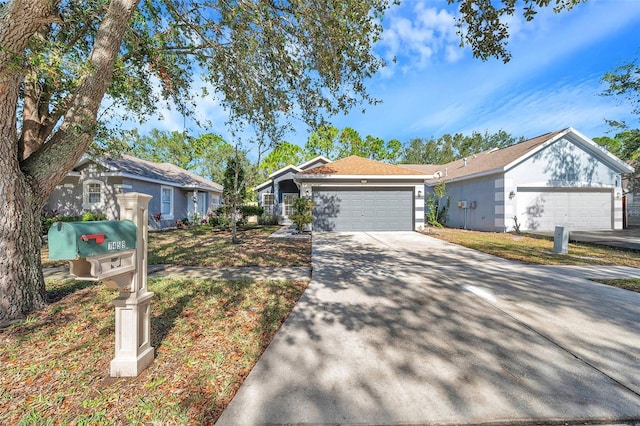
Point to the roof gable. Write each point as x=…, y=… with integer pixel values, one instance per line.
x=359, y=166
x=500, y=160
x=285, y=169
x=314, y=162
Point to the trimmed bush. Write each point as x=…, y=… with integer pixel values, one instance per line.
x=249, y=210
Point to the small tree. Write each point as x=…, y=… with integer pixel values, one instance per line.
x=234, y=190
x=302, y=208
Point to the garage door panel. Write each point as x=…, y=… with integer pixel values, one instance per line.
x=543, y=209
x=371, y=209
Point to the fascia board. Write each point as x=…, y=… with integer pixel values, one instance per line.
x=313, y=160
x=580, y=140
x=601, y=152
x=536, y=150
x=302, y=177
x=284, y=169
x=263, y=185
x=161, y=182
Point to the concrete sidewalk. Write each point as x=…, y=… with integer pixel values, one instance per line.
x=400, y=328
x=235, y=273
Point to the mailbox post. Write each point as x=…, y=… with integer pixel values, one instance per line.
x=134, y=352
x=115, y=253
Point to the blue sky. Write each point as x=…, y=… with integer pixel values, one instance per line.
x=436, y=87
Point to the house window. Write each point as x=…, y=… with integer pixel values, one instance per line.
x=92, y=194
x=94, y=191
x=166, y=200
x=288, y=203
x=267, y=203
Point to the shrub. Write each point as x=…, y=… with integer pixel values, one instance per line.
x=302, y=208
x=249, y=210
x=91, y=216
x=436, y=207
x=48, y=221
x=224, y=222
x=268, y=219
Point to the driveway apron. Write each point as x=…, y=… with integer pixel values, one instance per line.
x=402, y=328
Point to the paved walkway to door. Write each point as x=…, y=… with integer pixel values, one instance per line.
x=402, y=328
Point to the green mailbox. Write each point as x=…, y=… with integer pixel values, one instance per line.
x=72, y=240
x=97, y=251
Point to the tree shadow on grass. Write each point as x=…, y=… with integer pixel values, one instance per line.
x=65, y=288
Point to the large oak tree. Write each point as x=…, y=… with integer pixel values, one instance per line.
x=265, y=60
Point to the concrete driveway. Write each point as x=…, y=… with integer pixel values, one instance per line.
x=403, y=328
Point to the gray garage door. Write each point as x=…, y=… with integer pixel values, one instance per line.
x=543, y=209
x=370, y=209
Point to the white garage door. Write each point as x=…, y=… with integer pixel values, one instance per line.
x=543, y=209
x=371, y=209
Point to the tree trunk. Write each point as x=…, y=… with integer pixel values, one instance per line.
x=22, y=287
x=27, y=182
x=21, y=282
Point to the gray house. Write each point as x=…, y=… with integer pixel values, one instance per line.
x=277, y=194
x=93, y=184
x=559, y=178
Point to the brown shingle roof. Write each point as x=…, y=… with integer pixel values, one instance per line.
x=493, y=159
x=422, y=168
x=355, y=165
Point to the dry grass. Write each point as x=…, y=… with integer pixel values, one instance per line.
x=631, y=284
x=208, y=334
x=205, y=246
x=536, y=250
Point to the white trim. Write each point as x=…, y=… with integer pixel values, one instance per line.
x=318, y=158
x=277, y=172
x=625, y=168
x=300, y=177
x=161, y=182
x=86, y=204
x=272, y=204
x=578, y=139
x=263, y=185
x=171, y=202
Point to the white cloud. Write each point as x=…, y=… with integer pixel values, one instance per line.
x=418, y=36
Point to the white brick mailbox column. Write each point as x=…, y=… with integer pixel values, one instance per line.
x=133, y=351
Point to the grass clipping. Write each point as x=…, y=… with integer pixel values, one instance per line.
x=208, y=334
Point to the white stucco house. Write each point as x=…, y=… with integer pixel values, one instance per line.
x=559, y=178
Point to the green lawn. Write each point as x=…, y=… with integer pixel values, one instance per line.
x=208, y=334
x=538, y=250
x=205, y=246
x=631, y=284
